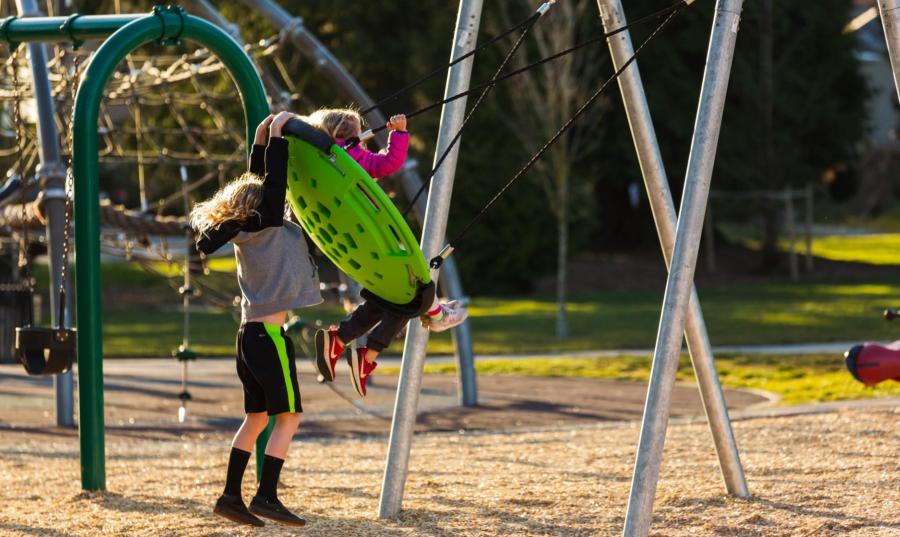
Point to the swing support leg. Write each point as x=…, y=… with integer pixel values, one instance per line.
x=452, y=115
x=890, y=19
x=330, y=67
x=689, y=229
x=650, y=159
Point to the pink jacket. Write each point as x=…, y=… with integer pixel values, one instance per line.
x=386, y=161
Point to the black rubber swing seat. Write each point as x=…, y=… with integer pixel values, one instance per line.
x=45, y=351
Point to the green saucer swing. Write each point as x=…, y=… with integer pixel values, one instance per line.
x=350, y=218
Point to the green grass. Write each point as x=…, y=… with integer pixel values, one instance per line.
x=796, y=379
x=748, y=314
x=874, y=249
x=742, y=314
x=130, y=333
x=758, y=314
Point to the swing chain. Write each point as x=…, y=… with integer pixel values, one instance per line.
x=69, y=189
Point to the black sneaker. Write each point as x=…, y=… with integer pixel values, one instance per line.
x=233, y=508
x=275, y=510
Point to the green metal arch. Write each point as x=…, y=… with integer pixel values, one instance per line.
x=164, y=25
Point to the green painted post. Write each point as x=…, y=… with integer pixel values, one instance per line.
x=55, y=29
x=167, y=25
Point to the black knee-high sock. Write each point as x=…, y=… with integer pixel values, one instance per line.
x=268, y=483
x=237, y=463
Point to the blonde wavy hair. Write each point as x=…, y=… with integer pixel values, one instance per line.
x=237, y=200
x=337, y=122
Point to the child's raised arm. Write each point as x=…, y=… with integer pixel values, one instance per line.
x=271, y=208
x=258, y=152
x=390, y=159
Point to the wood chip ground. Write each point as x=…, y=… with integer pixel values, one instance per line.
x=814, y=475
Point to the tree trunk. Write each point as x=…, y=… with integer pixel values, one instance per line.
x=562, y=235
x=770, y=256
x=769, y=172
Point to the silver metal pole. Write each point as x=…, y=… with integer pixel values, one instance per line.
x=452, y=115
x=660, y=196
x=689, y=229
x=52, y=174
x=467, y=381
x=332, y=69
x=890, y=18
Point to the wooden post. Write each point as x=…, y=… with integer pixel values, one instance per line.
x=808, y=226
x=792, y=233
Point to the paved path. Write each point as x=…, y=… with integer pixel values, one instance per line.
x=141, y=395
x=837, y=348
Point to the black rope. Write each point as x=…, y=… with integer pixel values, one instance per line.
x=465, y=122
x=427, y=108
x=414, y=84
x=451, y=245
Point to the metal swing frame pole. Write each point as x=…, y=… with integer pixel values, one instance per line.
x=650, y=160
x=453, y=114
x=451, y=284
x=52, y=175
x=890, y=20
x=639, y=513
x=122, y=34
x=163, y=25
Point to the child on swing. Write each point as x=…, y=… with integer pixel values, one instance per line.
x=275, y=274
x=387, y=318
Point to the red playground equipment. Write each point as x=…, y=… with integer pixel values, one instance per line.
x=871, y=363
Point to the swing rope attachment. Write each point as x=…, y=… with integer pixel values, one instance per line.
x=436, y=262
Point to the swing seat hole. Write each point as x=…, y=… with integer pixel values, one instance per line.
x=397, y=238
x=323, y=209
x=301, y=202
x=368, y=197
x=353, y=263
x=350, y=242
x=332, y=229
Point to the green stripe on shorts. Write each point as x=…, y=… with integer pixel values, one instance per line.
x=274, y=332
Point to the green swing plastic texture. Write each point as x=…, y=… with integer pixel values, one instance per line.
x=350, y=218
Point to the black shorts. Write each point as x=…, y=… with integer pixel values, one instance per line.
x=266, y=367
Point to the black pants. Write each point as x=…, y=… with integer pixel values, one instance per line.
x=388, y=316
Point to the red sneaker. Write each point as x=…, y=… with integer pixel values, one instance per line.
x=328, y=350
x=360, y=369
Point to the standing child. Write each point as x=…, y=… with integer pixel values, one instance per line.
x=385, y=317
x=275, y=274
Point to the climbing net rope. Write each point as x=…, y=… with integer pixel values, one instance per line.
x=163, y=115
